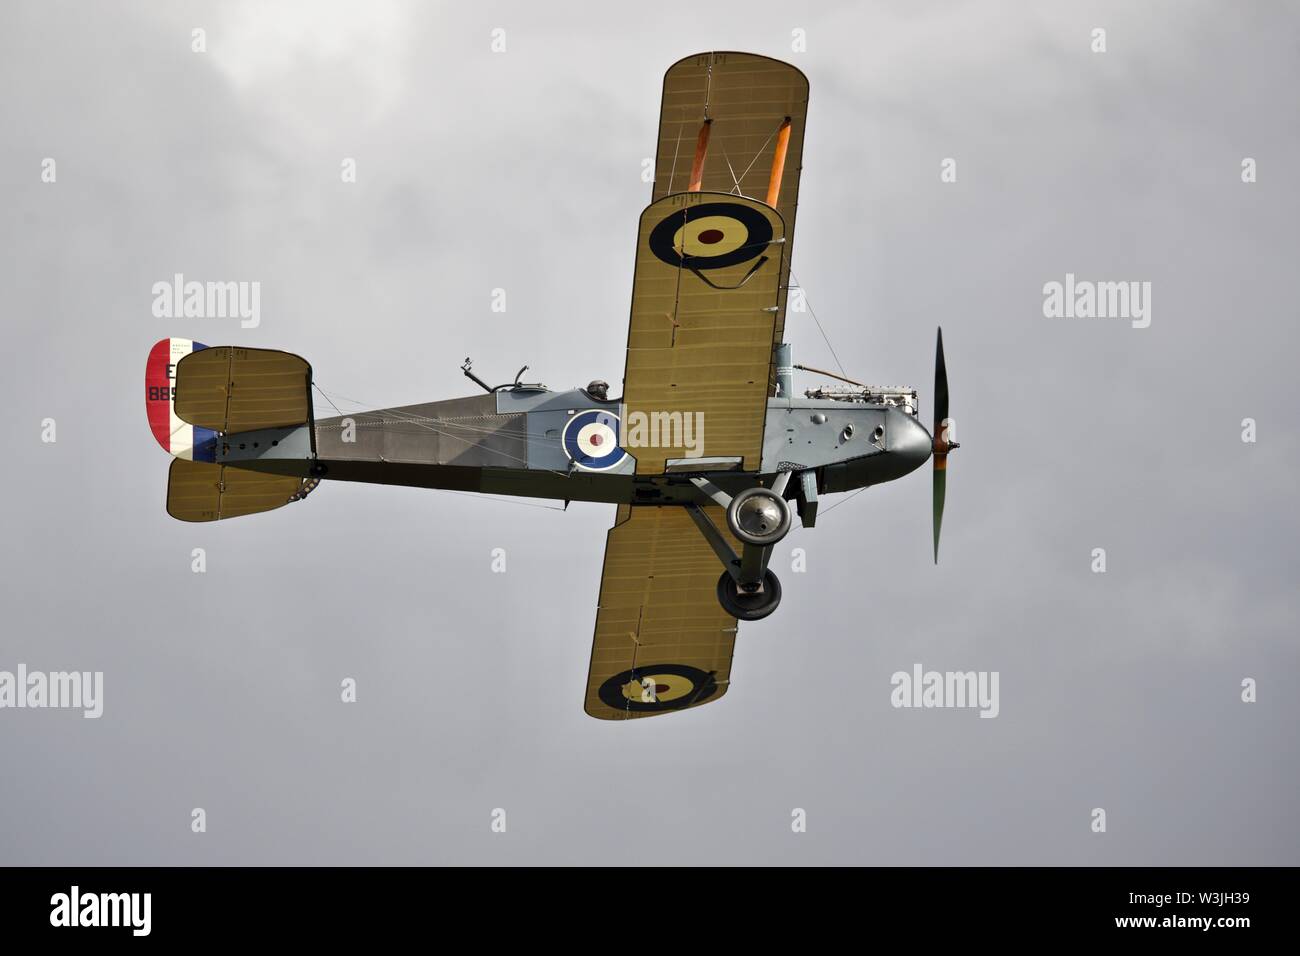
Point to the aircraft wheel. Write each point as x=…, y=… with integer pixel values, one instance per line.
x=746, y=606
x=759, y=516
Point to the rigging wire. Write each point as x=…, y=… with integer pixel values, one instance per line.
x=488, y=496
x=825, y=338
x=759, y=153
x=842, y=501
x=672, y=174
x=327, y=398
x=736, y=188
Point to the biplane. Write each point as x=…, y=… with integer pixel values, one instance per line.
x=708, y=454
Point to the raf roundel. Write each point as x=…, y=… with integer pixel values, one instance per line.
x=712, y=235
x=658, y=687
x=590, y=440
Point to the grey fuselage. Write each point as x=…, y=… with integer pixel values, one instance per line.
x=508, y=442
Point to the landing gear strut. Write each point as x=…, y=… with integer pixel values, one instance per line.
x=759, y=518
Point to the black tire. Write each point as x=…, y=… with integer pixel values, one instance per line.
x=764, y=530
x=749, y=607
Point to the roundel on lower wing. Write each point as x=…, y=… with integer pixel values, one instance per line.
x=712, y=235
x=590, y=440
x=658, y=687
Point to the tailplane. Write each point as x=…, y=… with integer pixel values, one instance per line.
x=196, y=397
x=203, y=491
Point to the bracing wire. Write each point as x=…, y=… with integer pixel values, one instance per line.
x=825, y=338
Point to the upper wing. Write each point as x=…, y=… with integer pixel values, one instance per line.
x=699, y=351
x=747, y=98
x=662, y=641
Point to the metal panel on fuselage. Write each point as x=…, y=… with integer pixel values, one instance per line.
x=465, y=432
x=475, y=443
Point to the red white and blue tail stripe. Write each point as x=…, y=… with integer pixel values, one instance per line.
x=178, y=438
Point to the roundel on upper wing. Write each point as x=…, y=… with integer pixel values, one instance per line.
x=658, y=687
x=712, y=235
x=590, y=439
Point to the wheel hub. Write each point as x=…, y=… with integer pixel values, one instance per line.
x=758, y=515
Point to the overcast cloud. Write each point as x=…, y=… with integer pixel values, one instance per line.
x=521, y=170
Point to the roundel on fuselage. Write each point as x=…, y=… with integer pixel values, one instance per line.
x=591, y=440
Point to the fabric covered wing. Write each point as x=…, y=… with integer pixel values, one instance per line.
x=746, y=98
x=663, y=643
x=699, y=350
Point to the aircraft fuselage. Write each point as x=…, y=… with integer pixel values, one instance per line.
x=520, y=442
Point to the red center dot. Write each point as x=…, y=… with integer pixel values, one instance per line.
x=710, y=236
x=596, y=440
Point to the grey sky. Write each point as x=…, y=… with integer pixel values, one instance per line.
x=522, y=170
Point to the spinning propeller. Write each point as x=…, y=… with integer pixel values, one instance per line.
x=942, y=445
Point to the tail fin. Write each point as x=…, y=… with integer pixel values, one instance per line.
x=177, y=436
x=195, y=395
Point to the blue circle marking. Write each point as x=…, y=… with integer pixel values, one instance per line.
x=585, y=437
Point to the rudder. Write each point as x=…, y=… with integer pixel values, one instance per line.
x=178, y=437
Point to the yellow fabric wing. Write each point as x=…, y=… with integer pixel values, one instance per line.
x=662, y=642
x=746, y=98
x=704, y=302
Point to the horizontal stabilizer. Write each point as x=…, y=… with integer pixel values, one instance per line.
x=231, y=389
x=205, y=491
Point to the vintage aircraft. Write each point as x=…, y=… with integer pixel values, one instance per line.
x=702, y=454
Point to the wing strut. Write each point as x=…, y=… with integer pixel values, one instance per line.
x=778, y=163
x=701, y=150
